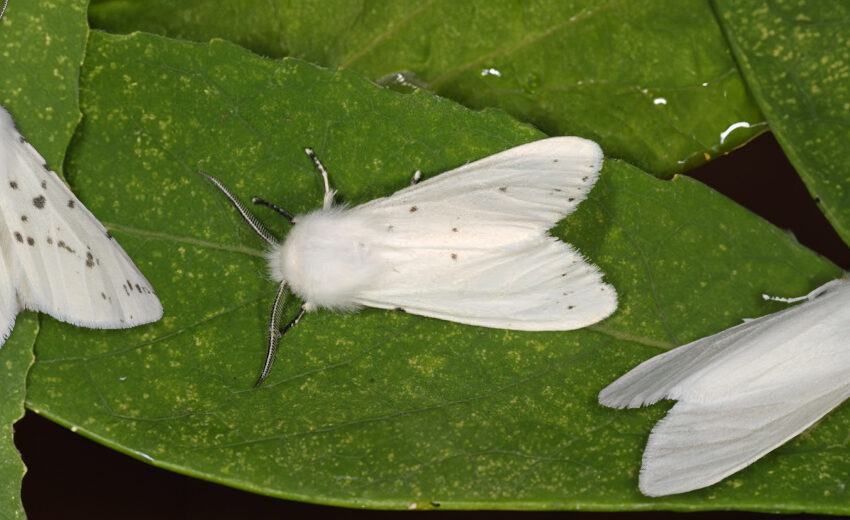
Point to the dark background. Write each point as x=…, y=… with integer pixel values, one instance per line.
x=72, y=477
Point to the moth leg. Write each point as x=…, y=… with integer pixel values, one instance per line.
x=417, y=176
x=263, y=202
x=275, y=332
x=328, y=200
x=249, y=217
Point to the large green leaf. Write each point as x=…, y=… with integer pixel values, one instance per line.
x=378, y=408
x=795, y=58
x=651, y=80
x=42, y=48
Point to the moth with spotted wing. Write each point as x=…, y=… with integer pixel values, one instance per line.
x=55, y=256
x=469, y=245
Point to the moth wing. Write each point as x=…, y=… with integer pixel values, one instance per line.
x=517, y=193
x=698, y=444
x=60, y=259
x=741, y=392
x=471, y=245
x=8, y=301
x=541, y=284
x=665, y=375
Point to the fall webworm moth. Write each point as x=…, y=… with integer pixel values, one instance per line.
x=469, y=245
x=741, y=392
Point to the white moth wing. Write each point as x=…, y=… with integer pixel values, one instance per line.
x=471, y=245
x=698, y=444
x=742, y=392
x=57, y=257
x=8, y=301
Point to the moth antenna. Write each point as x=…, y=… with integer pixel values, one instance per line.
x=275, y=333
x=263, y=202
x=329, y=193
x=249, y=217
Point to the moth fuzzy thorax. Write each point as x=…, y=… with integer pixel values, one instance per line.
x=328, y=257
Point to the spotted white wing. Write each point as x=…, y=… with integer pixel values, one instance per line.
x=471, y=245
x=741, y=392
x=56, y=257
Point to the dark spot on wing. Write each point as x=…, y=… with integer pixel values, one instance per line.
x=22, y=139
x=557, y=189
x=454, y=256
x=89, y=260
x=13, y=185
x=503, y=188
x=138, y=288
x=65, y=246
x=39, y=201
x=400, y=309
x=413, y=208
x=49, y=240
x=19, y=237
x=71, y=203
x=24, y=218
x=103, y=295
x=390, y=227
x=554, y=160
x=44, y=185
x=109, y=236
x=571, y=199
x=31, y=241
x=584, y=179
x=454, y=229
x=571, y=307
x=46, y=167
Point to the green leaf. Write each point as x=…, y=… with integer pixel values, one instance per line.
x=794, y=56
x=378, y=408
x=15, y=359
x=652, y=80
x=42, y=48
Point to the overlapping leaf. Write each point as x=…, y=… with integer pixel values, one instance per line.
x=653, y=81
x=382, y=409
x=796, y=61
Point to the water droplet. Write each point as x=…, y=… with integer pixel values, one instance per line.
x=740, y=124
x=404, y=82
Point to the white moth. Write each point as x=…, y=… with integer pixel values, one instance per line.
x=55, y=257
x=741, y=392
x=469, y=245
